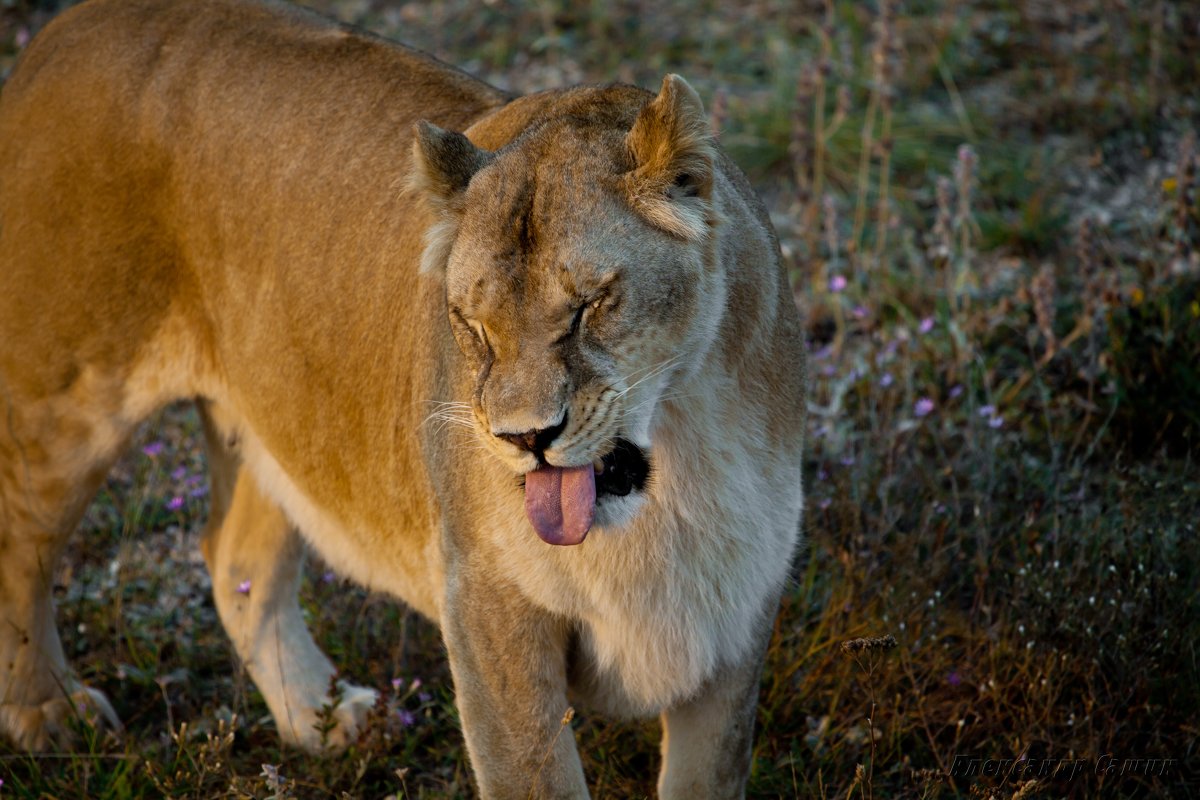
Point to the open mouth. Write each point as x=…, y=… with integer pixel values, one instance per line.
x=560, y=502
x=623, y=470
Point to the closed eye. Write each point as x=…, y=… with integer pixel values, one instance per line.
x=576, y=321
x=582, y=314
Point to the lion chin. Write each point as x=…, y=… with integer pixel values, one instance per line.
x=431, y=329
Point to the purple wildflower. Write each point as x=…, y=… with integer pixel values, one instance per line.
x=954, y=679
x=153, y=449
x=926, y=325
x=923, y=407
x=244, y=587
x=178, y=473
x=886, y=380
x=837, y=283
x=199, y=491
x=986, y=411
x=846, y=461
x=416, y=684
x=407, y=718
x=20, y=40
x=328, y=577
x=175, y=503
x=996, y=422
x=397, y=684
x=824, y=503
x=956, y=391
x=859, y=312
x=424, y=697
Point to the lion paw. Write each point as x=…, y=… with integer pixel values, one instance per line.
x=337, y=728
x=46, y=726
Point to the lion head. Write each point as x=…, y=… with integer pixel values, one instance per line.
x=581, y=283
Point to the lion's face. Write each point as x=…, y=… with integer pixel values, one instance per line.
x=576, y=308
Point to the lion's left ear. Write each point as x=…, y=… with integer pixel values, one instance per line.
x=672, y=149
x=443, y=163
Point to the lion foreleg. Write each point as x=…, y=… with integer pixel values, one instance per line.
x=509, y=665
x=707, y=741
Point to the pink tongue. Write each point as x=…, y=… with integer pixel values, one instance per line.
x=560, y=502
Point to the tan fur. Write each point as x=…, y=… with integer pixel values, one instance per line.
x=233, y=201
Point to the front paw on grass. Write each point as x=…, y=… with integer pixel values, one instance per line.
x=65, y=722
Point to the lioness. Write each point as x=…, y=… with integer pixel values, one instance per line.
x=432, y=356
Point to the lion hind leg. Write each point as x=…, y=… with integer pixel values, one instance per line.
x=255, y=557
x=54, y=452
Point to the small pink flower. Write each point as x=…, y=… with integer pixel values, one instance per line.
x=837, y=283
x=244, y=587
x=179, y=473
x=397, y=684
x=416, y=684
x=923, y=407
x=175, y=503
x=859, y=312
x=926, y=325
x=153, y=449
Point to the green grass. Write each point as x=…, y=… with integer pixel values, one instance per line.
x=1001, y=465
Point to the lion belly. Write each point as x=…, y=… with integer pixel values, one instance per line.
x=404, y=563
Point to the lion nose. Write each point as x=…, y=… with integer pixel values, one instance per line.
x=535, y=441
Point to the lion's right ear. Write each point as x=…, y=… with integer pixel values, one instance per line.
x=443, y=164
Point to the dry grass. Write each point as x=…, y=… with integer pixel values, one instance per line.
x=991, y=214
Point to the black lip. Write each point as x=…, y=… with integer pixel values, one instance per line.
x=626, y=469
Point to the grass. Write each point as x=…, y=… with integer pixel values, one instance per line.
x=990, y=211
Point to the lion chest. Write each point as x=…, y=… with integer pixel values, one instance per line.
x=687, y=589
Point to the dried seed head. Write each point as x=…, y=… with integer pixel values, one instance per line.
x=801, y=145
x=1097, y=285
x=964, y=180
x=869, y=643
x=943, y=237
x=1042, y=289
